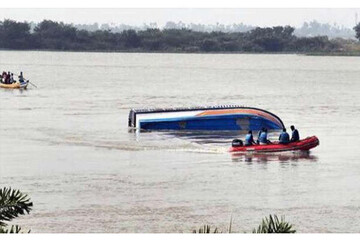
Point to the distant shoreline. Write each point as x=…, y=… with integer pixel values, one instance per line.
x=334, y=54
x=57, y=36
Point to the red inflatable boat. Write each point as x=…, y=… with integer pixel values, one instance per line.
x=302, y=145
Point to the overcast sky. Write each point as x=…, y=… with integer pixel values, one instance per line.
x=259, y=17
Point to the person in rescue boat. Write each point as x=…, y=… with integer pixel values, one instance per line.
x=295, y=134
x=263, y=138
x=249, y=139
x=284, y=137
x=257, y=141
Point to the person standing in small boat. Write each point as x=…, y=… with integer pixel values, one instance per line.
x=3, y=75
x=12, y=78
x=284, y=137
x=249, y=139
x=295, y=134
x=263, y=138
x=7, y=79
x=21, y=78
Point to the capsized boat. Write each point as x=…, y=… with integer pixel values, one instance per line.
x=223, y=118
x=22, y=85
x=302, y=145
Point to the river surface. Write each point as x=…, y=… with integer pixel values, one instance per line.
x=66, y=143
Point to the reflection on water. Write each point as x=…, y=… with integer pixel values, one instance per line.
x=265, y=157
x=206, y=137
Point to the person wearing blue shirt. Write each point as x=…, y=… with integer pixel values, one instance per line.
x=249, y=139
x=21, y=78
x=263, y=138
x=257, y=141
x=295, y=134
x=284, y=137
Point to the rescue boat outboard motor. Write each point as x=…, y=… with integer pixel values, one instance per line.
x=237, y=143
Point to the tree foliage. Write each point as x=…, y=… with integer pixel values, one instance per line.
x=12, y=229
x=268, y=225
x=274, y=225
x=206, y=229
x=51, y=35
x=12, y=204
x=357, y=31
x=15, y=35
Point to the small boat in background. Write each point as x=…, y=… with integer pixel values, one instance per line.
x=208, y=118
x=22, y=85
x=302, y=145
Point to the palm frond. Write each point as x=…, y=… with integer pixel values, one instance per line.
x=274, y=225
x=206, y=229
x=12, y=204
x=230, y=225
x=12, y=229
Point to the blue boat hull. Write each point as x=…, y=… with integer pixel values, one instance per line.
x=223, y=122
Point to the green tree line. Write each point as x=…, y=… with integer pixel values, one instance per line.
x=51, y=35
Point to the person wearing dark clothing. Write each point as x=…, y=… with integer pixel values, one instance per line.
x=12, y=78
x=21, y=78
x=7, y=79
x=284, y=137
x=249, y=139
x=295, y=134
x=3, y=75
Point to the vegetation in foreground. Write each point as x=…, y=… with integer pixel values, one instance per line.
x=268, y=225
x=274, y=225
x=50, y=35
x=12, y=204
